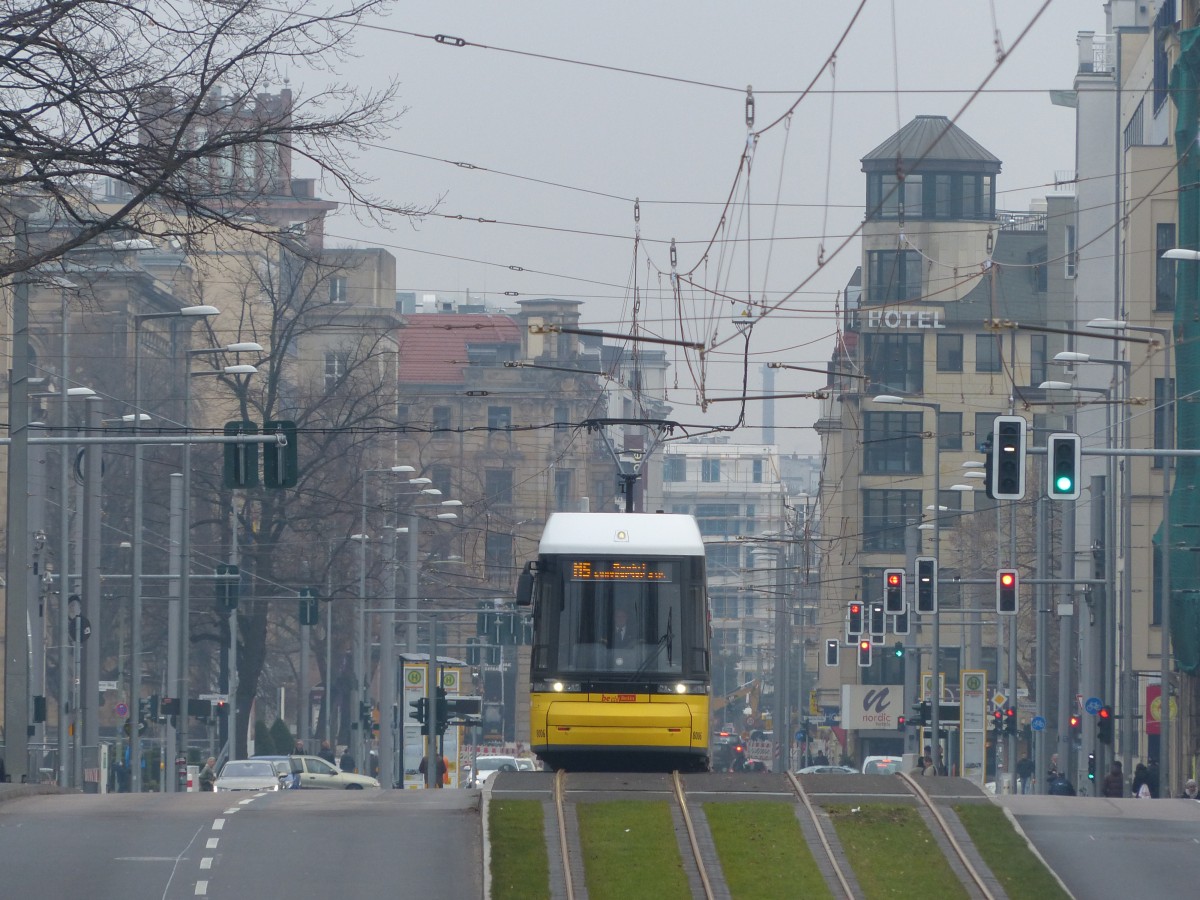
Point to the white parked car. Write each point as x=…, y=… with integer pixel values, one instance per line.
x=250, y=775
x=487, y=766
x=314, y=772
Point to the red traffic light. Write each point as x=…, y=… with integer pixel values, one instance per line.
x=864, y=646
x=1105, y=712
x=893, y=579
x=1075, y=722
x=855, y=608
x=1008, y=579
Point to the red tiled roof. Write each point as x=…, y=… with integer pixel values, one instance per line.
x=433, y=347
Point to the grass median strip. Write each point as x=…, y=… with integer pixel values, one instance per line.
x=1008, y=856
x=762, y=851
x=892, y=852
x=629, y=850
x=520, y=866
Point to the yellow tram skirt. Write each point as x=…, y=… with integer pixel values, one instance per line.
x=661, y=722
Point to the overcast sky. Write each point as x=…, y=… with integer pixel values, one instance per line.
x=563, y=149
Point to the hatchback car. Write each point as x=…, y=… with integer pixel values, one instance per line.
x=250, y=775
x=882, y=765
x=283, y=767
x=827, y=770
x=487, y=766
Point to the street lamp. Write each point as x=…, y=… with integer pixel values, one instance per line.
x=359, y=693
x=186, y=312
x=1164, y=718
x=935, y=630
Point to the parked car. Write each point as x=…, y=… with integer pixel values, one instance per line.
x=250, y=775
x=525, y=764
x=827, y=770
x=314, y=772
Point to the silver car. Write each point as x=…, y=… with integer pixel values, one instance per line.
x=249, y=775
x=315, y=772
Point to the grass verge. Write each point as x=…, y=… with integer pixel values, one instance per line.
x=520, y=866
x=892, y=852
x=763, y=852
x=1016, y=868
x=629, y=850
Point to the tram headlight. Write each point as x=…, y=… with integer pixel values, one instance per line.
x=681, y=688
x=558, y=687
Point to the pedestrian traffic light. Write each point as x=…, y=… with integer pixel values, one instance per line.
x=1062, y=467
x=1104, y=725
x=1091, y=767
x=420, y=709
x=1010, y=720
x=898, y=650
x=1008, y=458
x=1007, y=588
x=832, y=649
x=864, y=653
x=927, y=576
x=893, y=591
x=856, y=619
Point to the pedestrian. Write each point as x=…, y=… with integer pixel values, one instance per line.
x=1141, y=782
x=1152, y=778
x=208, y=775
x=298, y=750
x=1025, y=770
x=443, y=770
x=1114, y=781
x=930, y=769
x=1190, y=790
x=326, y=753
x=346, y=763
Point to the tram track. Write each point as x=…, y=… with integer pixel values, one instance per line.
x=977, y=880
x=820, y=824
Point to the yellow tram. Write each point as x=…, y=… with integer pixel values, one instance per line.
x=619, y=672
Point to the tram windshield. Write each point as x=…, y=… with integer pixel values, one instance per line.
x=625, y=615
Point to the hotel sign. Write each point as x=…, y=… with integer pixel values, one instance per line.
x=905, y=318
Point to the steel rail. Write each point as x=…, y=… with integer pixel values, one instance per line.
x=920, y=794
x=681, y=799
x=829, y=854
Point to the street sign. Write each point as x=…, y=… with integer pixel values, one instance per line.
x=1092, y=706
x=219, y=698
x=107, y=685
x=1038, y=723
x=122, y=710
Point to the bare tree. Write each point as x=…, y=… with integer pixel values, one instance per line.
x=158, y=119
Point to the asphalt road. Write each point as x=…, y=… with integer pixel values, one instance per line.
x=1114, y=848
x=294, y=844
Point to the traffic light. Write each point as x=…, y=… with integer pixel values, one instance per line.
x=893, y=591
x=1008, y=459
x=856, y=619
x=1076, y=723
x=420, y=709
x=832, y=649
x=241, y=460
x=878, y=623
x=927, y=576
x=169, y=706
x=228, y=586
x=281, y=466
x=1104, y=725
x=864, y=653
x=1091, y=767
x=364, y=715
x=443, y=709
x=924, y=711
x=898, y=650
x=1062, y=468
x=1010, y=720
x=1007, y=589
x=901, y=723
x=900, y=623
x=998, y=722
x=472, y=651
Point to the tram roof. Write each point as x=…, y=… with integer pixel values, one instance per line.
x=622, y=534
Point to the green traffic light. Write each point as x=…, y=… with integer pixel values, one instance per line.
x=1063, y=484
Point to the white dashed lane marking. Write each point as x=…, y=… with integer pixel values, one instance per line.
x=206, y=862
x=218, y=824
x=201, y=888
x=212, y=843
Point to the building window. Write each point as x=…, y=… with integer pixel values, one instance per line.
x=949, y=352
x=895, y=361
x=337, y=289
x=756, y=471
x=675, y=468
x=1069, y=251
x=498, y=485
x=718, y=519
x=498, y=556
x=987, y=353
x=336, y=367
x=402, y=413
x=564, y=490
x=499, y=418
x=949, y=517
x=893, y=275
x=710, y=470
x=724, y=560
x=440, y=478
x=984, y=423
x=441, y=418
x=1161, y=411
x=886, y=513
x=1037, y=359
x=950, y=433
x=892, y=443
x=562, y=416
x=1164, y=272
